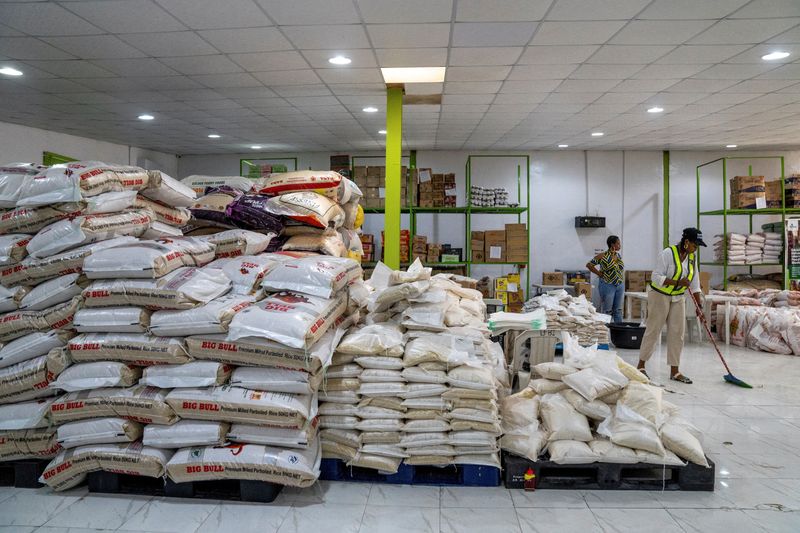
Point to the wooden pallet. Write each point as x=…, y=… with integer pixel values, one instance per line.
x=222, y=489
x=454, y=475
x=608, y=476
x=23, y=473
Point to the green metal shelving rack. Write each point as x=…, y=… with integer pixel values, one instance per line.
x=249, y=163
x=725, y=212
x=468, y=211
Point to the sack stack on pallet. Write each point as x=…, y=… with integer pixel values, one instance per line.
x=417, y=381
x=767, y=329
x=574, y=315
x=142, y=328
x=749, y=249
x=595, y=407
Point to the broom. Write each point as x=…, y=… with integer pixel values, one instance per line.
x=729, y=377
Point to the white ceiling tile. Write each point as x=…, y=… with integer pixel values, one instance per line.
x=297, y=12
x=94, y=46
x=659, y=72
x=30, y=48
x=576, y=32
x=477, y=73
x=361, y=58
x=390, y=11
x=303, y=101
x=520, y=98
x=541, y=72
x=216, y=64
x=760, y=86
x=638, y=54
x=660, y=31
x=769, y=9
x=595, y=10
x=605, y=72
x=245, y=40
x=263, y=61
x=409, y=35
x=207, y=14
x=623, y=98
x=791, y=36
x=245, y=92
x=126, y=16
x=691, y=9
x=215, y=81
x=701, y=54
x=699, y=86
x=646, y=85
x=501, y=10
x=733, y=71
x=524, y=86
x=744, y=31
x=412, y=57
x=422, y=88
x=370, y=89
x=110, y=84
x=753, y=55
x=167, y=83
x=171, y=44
x=785, y=72
x=572, y=98
x=75, y=68
x=288, y=77
x=471, y=87
x=727, y=98
x=559, y=108
x=462, y=99
x=43, y=19
x=350, y=75
x=327, y=37
x=676, y=98
x=135, y=67
x=500, y=55
x=492, y=33
x=556, y=55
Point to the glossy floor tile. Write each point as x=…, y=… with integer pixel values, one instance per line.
x=751, y=435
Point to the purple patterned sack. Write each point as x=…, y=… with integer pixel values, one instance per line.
x=250, y=212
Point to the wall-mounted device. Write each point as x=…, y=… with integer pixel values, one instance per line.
x=590, y=222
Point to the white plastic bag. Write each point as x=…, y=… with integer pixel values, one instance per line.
x=679, y=440
x=87, y=376
x=562, y=420
x=308, y=208
x=132, y=348
x=274, y=380
x=317, y=276
x=376, y=339
x=608, y=452
x=213, y=317
x=13, y=248
x=547, y=386
x=12, y=178
x=191, y=374
x=25, y=415
x=98, y=431
x=602, y=377
x=238, y=242
x=571, y=452
x=554, y=371
x=148, y=259
x=627, y=428
x=274, y=436
x=32, y=345
x=53, y=292
x=185, y=433
x=112, y=320
x=596, y=410
x=169, y=191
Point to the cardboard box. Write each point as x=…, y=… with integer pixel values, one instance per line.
x=501, y=284
x=502, y=296
x=514, y=307
x=372, y=192
x=751, y=200
x=450, y=201
x=516, y=230
x=584, y=289
x=516, y=297
x=367, y=238
x=705, y=282
x=437, y=178
x=478, y=235
x=425, y=187
x=747, y=184
x=494, y=236
x=374, y=172
x=359, y=172
x=552, y=278
x=420, y=239
x=773, y=191
x=495, y=252
x=451, y=258
x=478, y=255
x=373, y=181
x=484, y=286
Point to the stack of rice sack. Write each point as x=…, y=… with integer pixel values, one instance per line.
x=596, y=408
x=281, y=347
x=773, y=247
x=752, y=249
x=320, y=209
x=574, y=315
x=766, y=329
x=417, y=380
x=732, y=244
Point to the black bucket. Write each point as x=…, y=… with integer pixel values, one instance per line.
x=627, y=335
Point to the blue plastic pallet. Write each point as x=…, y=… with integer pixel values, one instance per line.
x=459, y=475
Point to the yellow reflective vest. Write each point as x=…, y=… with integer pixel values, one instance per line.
x=676, y=258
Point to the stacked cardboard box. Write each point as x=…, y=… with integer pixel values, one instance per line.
x=372, y=182
x=583, y=288
x=419, y=248
x=507, y=289
x=552, y=279
x=495, y=246
x=405, y=241
x=368, y=244
x=791, y=187
x=637, y=281
x=516, y=243
x=748, y=192
x=477, y=246
x=774, y=191
x=434, y=253
x=436, y=190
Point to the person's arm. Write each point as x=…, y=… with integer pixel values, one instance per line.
x=592, y=265
x=659, y=275
x=695, y=286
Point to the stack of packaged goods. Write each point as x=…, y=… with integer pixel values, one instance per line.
x=773, y=247
x=488, y=197
x=417, y=381
x=595, y=407
x=736, y=245
x=754, y=249
x=749, y=249
x=576, y=316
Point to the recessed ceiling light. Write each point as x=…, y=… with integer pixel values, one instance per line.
x=340, y=60
x=8, y=71
x=563, y=146
x=370, y=109
x=772, y=56
x=730, y=146
x=145, y=117
x=256, y=147
x=656, y=109
x=597, y=134
x=213, y=136
x=413, y=75
x=382, y=132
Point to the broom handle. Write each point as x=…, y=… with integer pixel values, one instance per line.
x=702, y=318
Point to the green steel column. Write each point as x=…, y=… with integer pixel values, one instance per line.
x=666, y=199
x=394, y=137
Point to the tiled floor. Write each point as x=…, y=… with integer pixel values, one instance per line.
x=752, y=435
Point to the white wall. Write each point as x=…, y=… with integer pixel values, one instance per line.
x=24, y=144
x=624, y=187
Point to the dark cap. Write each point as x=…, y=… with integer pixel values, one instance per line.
x=693, y=235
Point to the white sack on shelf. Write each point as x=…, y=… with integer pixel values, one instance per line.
x=185, y=433
x=98, y=431
x=87, y=376
x=192, y=374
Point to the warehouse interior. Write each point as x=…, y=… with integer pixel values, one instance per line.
x=499, y=142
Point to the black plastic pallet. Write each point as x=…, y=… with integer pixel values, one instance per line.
x=219, y=489
x=23, y=473
x=608, y=476
x=454, y=475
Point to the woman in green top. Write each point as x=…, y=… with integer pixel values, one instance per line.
x=612, y=280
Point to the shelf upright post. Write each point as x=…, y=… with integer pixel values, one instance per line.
x=725, y=223
x=394, y=137
x=468, y=207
